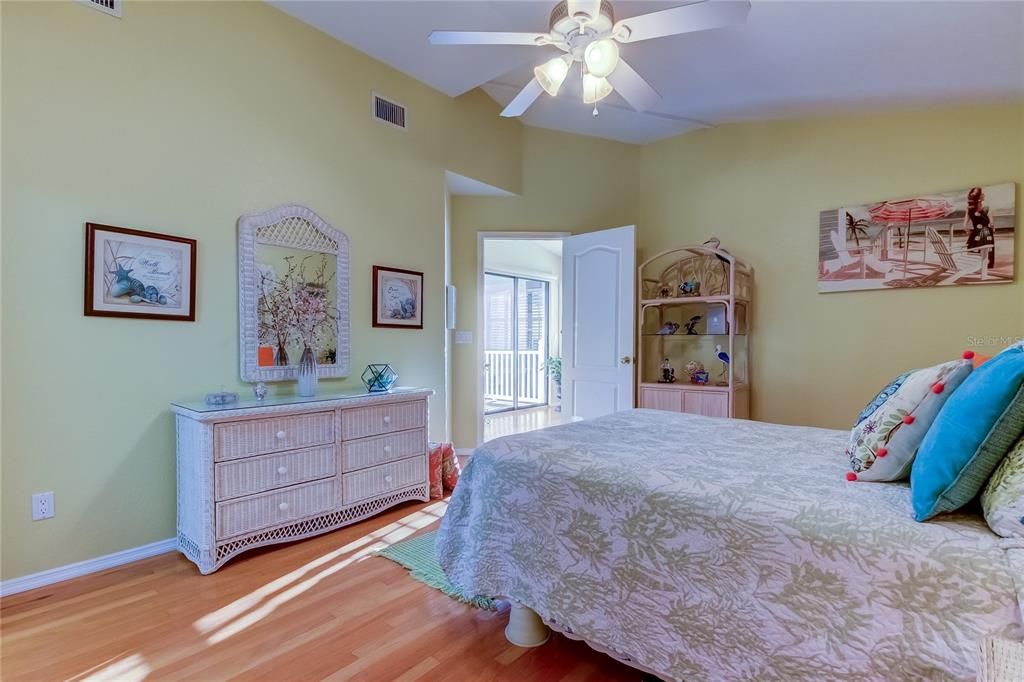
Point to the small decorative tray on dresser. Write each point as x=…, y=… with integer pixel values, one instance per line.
x=255, y=473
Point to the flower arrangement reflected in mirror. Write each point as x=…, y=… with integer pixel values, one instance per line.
x=294, y=307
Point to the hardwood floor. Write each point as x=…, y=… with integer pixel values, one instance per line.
x=318, y=609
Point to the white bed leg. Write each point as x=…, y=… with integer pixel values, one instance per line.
x=525, y=628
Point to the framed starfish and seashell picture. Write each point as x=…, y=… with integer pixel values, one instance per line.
x=132, y=273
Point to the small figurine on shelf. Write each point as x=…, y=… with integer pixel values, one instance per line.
x=693, y=368
x=668, y=329
x=691, y=326
x=724, y=359
x=690, y=287
x=664, y=292
x=260, y=390
x=701, y=378
x=668, y=374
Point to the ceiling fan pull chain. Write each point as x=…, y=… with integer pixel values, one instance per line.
x=596, y=113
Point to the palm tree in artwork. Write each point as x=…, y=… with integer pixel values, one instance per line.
x=856, y=228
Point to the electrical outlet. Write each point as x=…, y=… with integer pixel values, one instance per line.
x=42, y=506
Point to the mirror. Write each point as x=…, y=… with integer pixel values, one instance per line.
x=293, y=289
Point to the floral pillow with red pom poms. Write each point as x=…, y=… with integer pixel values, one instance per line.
x=883, y=444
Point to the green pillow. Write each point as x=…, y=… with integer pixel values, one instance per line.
x=1003, y=499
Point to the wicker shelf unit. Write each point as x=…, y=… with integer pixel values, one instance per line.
x=710, y=319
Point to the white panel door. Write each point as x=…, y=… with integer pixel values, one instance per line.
x=598, y=274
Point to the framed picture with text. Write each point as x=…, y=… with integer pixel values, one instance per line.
x=397, y=298
x=132, y=273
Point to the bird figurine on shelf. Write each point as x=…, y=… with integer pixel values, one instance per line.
x=691, y=326
x=724, y=358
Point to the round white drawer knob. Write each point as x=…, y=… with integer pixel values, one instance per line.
x=282, y=470
x=387, y=419
x=388, y=479
x=387, y=449
x=283, y=506
x=280, y=435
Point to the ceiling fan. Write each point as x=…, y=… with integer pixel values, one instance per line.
x=587, y=32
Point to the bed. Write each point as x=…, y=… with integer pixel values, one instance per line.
x=707, y=549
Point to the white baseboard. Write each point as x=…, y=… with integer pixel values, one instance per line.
x=100, y=563
x=464, y=452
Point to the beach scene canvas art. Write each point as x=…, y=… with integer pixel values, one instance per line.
x=957, y=238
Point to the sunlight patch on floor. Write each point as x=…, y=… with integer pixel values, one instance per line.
x=258, y=604
x=132, y=668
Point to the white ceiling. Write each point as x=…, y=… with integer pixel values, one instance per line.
x=791, y=58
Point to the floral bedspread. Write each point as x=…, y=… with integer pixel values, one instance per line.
x=710, y=549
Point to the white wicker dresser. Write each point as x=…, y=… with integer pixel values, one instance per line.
x=257, y=473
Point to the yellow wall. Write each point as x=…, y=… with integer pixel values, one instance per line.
x=570, y=184
x=178, y=118
x=817, y=358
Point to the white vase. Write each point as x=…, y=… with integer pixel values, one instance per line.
x=307, y=373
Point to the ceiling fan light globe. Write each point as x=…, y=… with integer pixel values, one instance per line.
x=601, y=57
x=551, y=74
x=595, y=89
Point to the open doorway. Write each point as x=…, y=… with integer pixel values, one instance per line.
x=519, y=303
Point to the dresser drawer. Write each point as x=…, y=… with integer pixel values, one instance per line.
x=257, y=474
x=275, y=508
x=361, y=422
x=366, y=452
x=274, y=434
x=383, y=478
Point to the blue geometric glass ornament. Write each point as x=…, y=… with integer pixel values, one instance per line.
x=379, y=378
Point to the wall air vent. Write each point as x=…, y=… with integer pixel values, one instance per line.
x=111, y=7
x=386, y=111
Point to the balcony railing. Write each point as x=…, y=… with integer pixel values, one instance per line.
x=501, y=384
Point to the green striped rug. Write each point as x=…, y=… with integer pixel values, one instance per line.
x=419, y=556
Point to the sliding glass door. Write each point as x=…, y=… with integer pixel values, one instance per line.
x=515, y=342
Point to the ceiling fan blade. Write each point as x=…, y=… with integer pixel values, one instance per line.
x=521, y=102
x=699, y=16
x=634, y=89
x=487, y=38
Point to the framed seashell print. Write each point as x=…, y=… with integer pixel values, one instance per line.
x=133, y=273
x=397, y=298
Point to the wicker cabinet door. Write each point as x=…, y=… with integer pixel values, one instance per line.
x=661, y=399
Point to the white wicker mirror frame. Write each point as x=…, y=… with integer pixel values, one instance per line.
x=296, y=227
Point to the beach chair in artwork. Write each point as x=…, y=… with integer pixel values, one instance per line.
x=959, y=262
x=857, y=255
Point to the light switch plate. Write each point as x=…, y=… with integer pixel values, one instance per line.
x=463, y=336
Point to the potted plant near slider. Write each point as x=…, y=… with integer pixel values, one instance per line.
x=554, y=367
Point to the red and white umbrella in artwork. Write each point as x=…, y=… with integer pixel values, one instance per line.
x=909, y=211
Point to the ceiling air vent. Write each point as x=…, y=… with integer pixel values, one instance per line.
x=111, y=7
x=386, y=111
